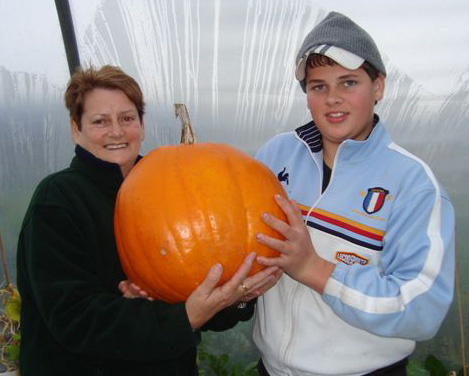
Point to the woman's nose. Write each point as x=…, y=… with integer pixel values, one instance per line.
x=115, y=129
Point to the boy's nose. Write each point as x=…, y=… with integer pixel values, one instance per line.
x=334, y=98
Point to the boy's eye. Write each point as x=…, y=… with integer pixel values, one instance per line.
x=319, y=87
x=349, y=83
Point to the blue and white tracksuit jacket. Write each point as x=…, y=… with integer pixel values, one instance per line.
x=389, y=227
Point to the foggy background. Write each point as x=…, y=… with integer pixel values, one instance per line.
x=232, y=63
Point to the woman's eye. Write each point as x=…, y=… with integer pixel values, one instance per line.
x=127, y=119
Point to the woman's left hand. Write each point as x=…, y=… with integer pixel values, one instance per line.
x=131, y=290
x=256, y=290
x=297, y=258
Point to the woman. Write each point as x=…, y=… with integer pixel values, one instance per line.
x=74, y=319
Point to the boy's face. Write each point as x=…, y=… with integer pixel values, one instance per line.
x=342, y=102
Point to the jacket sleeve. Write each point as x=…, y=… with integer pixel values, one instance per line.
x=409, y=293
x=82, y=314
x=230, y=316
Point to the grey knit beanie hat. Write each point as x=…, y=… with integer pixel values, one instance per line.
x=342, y=40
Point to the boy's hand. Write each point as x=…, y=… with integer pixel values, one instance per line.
x=298, y=258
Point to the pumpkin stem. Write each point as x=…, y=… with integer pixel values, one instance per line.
x=187, y=134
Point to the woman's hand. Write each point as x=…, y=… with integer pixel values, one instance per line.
x=262, y=287
x=208, y=299
x=131, y=290
x=298, y=258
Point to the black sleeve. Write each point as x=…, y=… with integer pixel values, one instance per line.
x=230, y=316
x=79, y=312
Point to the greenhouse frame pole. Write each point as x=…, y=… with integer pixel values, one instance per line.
x=68, y=34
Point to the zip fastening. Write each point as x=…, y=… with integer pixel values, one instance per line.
x=322, y=177
x=293, y=298
x=291, y=321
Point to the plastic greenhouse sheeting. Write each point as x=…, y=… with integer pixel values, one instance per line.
x=232, y=64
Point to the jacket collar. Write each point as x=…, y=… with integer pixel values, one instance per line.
x=103, y=173
x=310, y=135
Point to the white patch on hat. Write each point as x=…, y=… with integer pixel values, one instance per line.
x=342, y=57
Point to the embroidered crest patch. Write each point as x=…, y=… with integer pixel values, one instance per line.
x=374, y=199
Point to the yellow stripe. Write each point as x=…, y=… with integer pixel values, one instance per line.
x=343, y=219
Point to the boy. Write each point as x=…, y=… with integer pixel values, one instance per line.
x=369, y=255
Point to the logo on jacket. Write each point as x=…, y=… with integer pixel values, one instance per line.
x=283, y=175
x=374, y=199
x=350, y=258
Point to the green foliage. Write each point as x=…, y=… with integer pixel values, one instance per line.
x=221, y=365
x=236, y=342
x=435, y=366
x=432, y=366
x=415, y=369
x=10, y=335
x=13, y=350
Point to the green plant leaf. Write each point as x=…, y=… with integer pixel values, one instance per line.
x=221, y=365
x=415, y=369
x=13, y=306
x=12, y=353
x=434, y=366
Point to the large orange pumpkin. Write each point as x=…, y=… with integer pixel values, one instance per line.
x=184, y=208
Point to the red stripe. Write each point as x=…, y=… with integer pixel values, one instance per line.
x=345, y=226
x=379, y=202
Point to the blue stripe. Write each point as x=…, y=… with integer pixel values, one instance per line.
x=346, y=232
x=343, y=236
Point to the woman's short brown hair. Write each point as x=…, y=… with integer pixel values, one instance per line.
x=107, y=77
x=318, y=60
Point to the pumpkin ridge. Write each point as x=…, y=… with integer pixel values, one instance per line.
x=124, y=256
x=142, y=257
x=238, y=249
x=173, y=251
x=193, y=198
x=235, y=174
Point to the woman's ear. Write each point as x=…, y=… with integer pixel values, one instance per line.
x=74, y=131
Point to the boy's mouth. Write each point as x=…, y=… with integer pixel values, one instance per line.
x=336, y=116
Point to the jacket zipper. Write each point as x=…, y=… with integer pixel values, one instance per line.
x=292, y=302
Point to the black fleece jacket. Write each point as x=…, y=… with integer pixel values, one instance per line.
x=74, y=320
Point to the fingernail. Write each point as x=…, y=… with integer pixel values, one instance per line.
x=265, y=216
x=278, y=197
x=218, y=268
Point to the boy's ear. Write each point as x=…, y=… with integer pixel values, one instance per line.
x=379, y=84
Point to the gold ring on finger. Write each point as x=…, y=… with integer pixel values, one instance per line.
x=245, y=288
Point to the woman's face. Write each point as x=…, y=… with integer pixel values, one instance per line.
x=110, y=128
